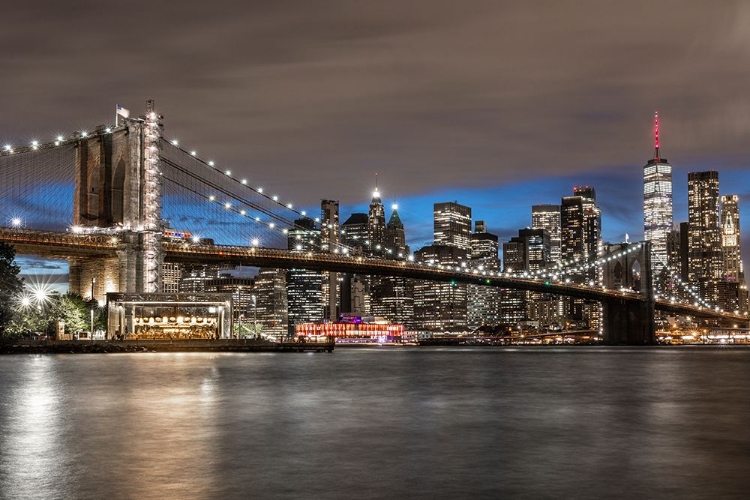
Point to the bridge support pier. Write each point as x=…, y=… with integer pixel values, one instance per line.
x=95, y=276
x=629, y=323
x=140, y=259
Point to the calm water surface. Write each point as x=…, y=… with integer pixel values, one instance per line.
x=378, y=423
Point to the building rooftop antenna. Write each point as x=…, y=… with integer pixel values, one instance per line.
x=656, y=136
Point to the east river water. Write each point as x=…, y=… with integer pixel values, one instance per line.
x=533, y=423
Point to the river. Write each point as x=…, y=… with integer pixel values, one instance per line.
x=576, y=422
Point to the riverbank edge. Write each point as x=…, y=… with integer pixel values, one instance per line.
x=140, y=346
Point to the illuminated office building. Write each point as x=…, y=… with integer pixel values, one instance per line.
x=329, y=242
x=581, y=229
x=304, y=287
x=452, y=225
x=376, y=225
x=657, y=205
x=704, y=230
x=547, y=217
x=271, y=304
x=730, y=238
x=483, y=302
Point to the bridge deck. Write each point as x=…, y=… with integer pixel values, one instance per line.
x=47, y=243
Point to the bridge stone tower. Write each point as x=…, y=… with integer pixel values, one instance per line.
x=628, y=267
x=119, y=188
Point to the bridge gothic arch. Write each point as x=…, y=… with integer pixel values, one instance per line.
x=626, y=267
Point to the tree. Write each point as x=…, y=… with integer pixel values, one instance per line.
x=71, y=309
x=10, y=284
x=28, y=319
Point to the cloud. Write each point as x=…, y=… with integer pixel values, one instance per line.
x=35, y=263
x=452, y=99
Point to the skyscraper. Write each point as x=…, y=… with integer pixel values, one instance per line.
x=483, y=301
x=730, y=238
x=270, y=309
x=304, y=287
x=452, y=225
x=392, y=297
x=442, y=306
x=376, y=225
x=657, y=204
x=355, y=289
x=581, y=228
x=329, y=242
x=395, y=237
x=547, y=217
x=329, y=227
x=704, y=232
x=355, y=232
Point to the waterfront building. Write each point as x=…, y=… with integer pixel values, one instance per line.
x=657, y=206
x=242, y=291
x=271, y=303
x=304, y=287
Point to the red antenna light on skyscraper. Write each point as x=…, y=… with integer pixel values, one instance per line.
x=656, y=135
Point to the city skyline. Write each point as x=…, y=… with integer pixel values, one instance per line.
x=444, y=103
x=419, y=229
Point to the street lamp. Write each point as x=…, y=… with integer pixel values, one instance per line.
x=255, y=314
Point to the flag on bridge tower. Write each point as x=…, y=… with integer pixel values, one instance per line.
x=123, y=112
x=120, y=111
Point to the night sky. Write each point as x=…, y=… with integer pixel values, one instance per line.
x=497, y=105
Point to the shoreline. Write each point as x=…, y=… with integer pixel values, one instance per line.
x=139, y=346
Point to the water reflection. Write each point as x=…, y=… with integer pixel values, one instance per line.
x=416, y=423
x=30, y=439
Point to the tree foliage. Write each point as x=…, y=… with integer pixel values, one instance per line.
x=71, y=309
x=10, y=284
x=41, y=317
x=28, y=319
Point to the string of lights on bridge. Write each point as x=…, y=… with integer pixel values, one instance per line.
x=59, y=140
x=699, y=301
x=562, y=271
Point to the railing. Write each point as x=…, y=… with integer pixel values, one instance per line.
x=348, y=263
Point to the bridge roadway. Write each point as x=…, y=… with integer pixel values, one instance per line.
x=60, y=245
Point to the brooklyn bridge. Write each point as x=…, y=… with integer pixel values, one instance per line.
x=127, y=183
